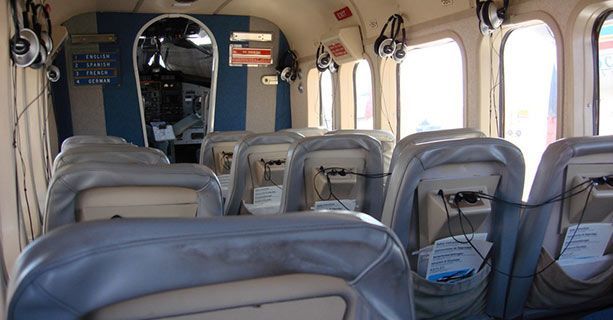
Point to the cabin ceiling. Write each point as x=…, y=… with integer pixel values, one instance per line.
x=304, y=22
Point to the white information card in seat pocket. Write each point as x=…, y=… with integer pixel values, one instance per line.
x=589, y=241
x=344, y=204
x=451, y=260
x=267, y=196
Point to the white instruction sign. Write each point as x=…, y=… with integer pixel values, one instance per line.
x=224, y=182
x=451, y=261
x=343, y=204
x=267, y=196
x=589, y=241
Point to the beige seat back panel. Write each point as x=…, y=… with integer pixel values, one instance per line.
x=297, y=296
x=136, y=202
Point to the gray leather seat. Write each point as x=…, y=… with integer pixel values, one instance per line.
x=414, y=210
x=222, y=140
x=387, y=139
x=432, y=136
x=90, y=139
x=566, y=166
x=308, y=132
x=305, y=182
x=250, y=169
x=109, y=153
x=93, y=191
x=342, y=266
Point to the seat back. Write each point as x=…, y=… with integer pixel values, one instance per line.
x=342, y=266
x=387, y=139
x=215, y=144
x=90, y=139
x=94, y=191
x=566, y=168
x=308, y=132
x=259, y=167
x=308, y=187
x=415, y=211
x=109, y=153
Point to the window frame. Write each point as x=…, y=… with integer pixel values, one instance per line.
x=321, y=109
x=598, y=24
x=425, y=42
x=355, y=92
x=559, y=72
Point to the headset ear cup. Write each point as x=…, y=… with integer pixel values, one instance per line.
x=333, y=67
x=387, y=48
x=286, y=74
x=25, y=48
x=47, y=41
x=40, y=60
x=401, y=52
x=378, y=42
x=323, y=61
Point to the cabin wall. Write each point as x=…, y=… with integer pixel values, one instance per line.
x=242, y=101
x=25, y=155
x=461, y=24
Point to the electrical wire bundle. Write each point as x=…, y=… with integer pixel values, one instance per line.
x=473, y=197
x=338, y=171
x=268, y=170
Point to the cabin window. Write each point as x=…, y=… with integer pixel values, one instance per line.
x=362, y=88
x=604, y=92
x=326, y=106
x=432, y=88
x=529, y=88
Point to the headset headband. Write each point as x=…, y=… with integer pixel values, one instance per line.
x=45, y=13
x=390, y=19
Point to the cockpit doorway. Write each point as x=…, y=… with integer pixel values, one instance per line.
x=176, y=59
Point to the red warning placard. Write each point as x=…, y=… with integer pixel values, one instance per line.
x=343, y=13
x=250, y=56
x=337, y=49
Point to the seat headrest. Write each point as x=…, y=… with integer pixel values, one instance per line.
x=381, y=135
x=79, y=269
x=309, y=132
x=206, y=156
x=90, y=139
x=70, y=180
x=111, y=153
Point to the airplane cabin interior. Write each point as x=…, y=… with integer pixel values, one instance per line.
x=296, y=159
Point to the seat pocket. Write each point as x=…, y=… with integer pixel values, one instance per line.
x=457, y=300
x=554, y=288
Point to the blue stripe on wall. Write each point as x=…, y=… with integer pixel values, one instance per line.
x=231, y=98
x=61, y=100
x=283, y=116
x=121, y=106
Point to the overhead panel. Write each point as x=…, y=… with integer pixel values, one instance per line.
x=345, y=45
x=169, y=6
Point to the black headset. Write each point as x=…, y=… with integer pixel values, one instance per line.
x=324, y=60
x=288, y=66
x=389, y=46
x=31, y=46
x=490, y=16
